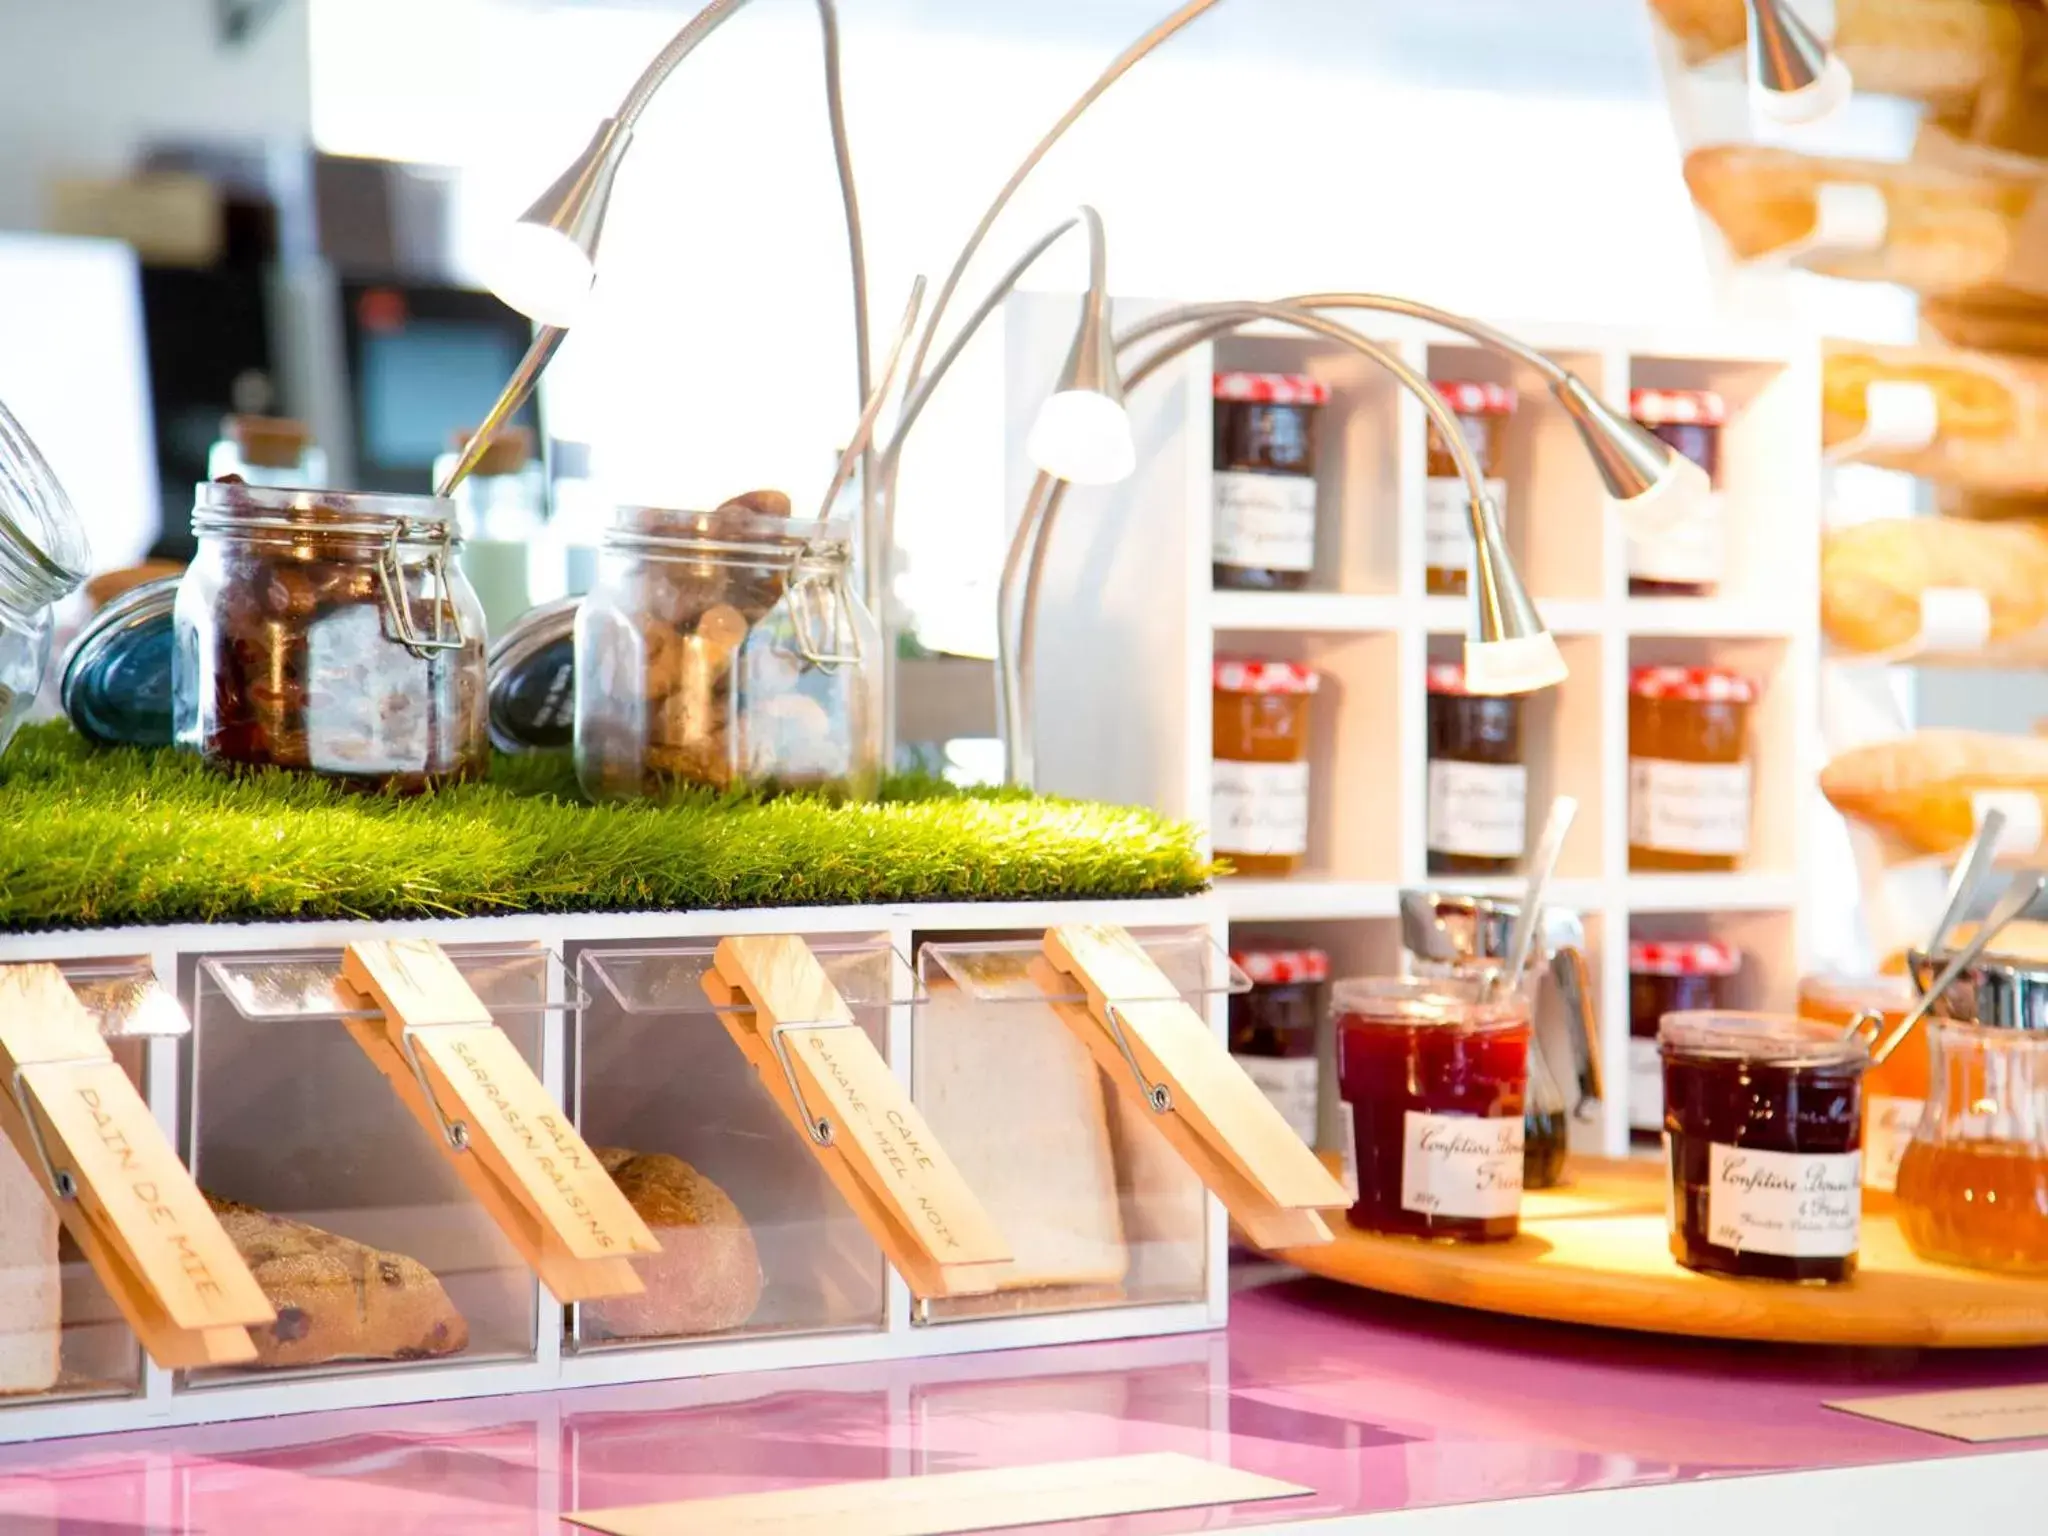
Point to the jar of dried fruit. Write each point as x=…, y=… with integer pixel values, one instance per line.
x=723, y=650
x=331, y=632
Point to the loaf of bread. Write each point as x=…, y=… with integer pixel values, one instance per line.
x=30, y=1281
x=1947, y=230
x=1927, y=791
x=2011, y=323
x=707, y=1277
x=1873, y=578
x=338, y=1299
x=1992, y=414
x=1946, y=53
x=1018, y=1102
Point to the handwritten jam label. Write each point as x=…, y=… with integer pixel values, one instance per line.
x=1264, y=522
x=1645, y=1085
x=1793, y=1204
x=1258, y=807
x=1447, y=520
x=1289, y=1082
x=1478, y=809
x=1888, y=1125
x=1699, y=808
x=1461, y=1165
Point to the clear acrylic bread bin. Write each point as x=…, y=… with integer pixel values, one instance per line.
x=1099, y=1210
x=61, y=1336
x=353, y=1220
x=756, y=1239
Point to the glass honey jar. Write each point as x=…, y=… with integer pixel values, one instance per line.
x=1895, y=1089
x=1973, y=1184
x=1259, y=767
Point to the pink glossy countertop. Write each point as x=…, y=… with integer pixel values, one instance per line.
x=1375, y=1403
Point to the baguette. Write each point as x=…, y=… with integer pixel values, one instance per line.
x=1948, y=230
x=1921, y=789
x=1992, y=431
x=1872, y=577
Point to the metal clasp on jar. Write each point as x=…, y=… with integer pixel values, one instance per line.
x=391, y=581
x=826, y=636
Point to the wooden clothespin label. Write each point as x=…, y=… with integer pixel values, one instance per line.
x=78, y=1123
x=790, y=1021
x=1163, y=1056
x=517, y=1151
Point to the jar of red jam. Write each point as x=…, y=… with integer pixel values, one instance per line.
x=1895, y=1089
x=1483, y=411
x=1478, y=788
x=1763, y=1126
x=1263, y=534
x=1667, y=976
x=1259, y=772
x=1681, y=554
x=1689, y=782
x=1273, y=1027
x=1434, y=1074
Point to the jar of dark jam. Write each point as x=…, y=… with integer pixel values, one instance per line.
x=1478, y=787
x=1763, y=1126
x=329, y=632
x=1483, y=411
x=1434, y=1073
x=1682, y=556
x=1264, y=531
x=1273, y=1027
x=1667, y=976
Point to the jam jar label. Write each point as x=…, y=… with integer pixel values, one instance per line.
x=1888, y=1126
x=1258, y=807
x=1700, y=808
x=1686, y=547
x=1290, y=1083
x=1794, y=1204
x=1479, y=809
x=1447, y=522
x=1264, y=522
x=1461, y=1165
x=1645, y=1085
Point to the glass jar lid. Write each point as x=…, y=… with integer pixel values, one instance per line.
x=532, y=688
x=1269, y=388
x=1997, y=992
x=43, y=548
x=1459, y=1002
x=1678, y=407
x=1281, y=965
x=1773, y=1039
x=1693, y=685
x=735, y=529
x=1476, y=397
x=116, y=685
x=227, y=506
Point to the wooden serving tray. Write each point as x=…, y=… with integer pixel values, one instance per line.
x=1596, y=1252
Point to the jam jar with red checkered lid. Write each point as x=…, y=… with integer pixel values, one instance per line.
x=1682, y=975
x=1483, y=411
x=1690, y=789
x=1680, y=550
x=1478, y=785
x=1263, y=533
x=1273, y=1026
x=1259, y=764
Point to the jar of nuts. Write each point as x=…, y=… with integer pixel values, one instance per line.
x=331, y=632
x=726, y=650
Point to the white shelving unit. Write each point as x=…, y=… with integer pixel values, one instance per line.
x=1130, y=626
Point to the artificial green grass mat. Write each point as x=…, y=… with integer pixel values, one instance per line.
x=92, y=837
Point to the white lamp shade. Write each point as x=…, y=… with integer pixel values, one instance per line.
x=1084, y=436
x=1679, y=494
x=1810, y=103
x=542, y=273
x=1527, y=664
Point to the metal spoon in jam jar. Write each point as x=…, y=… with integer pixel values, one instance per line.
x=2025, y=890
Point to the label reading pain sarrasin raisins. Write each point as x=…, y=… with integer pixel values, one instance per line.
x=1797, y=1205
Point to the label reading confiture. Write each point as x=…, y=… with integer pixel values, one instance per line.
x=1460, y=1165
x=1697, y=808
x=1888, y=1127
x=1645, y=1085
x=1264, y=522
x=1447, y=520
x=1290, y=1083
x=1793, y=1204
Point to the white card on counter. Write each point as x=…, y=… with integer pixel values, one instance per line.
x=1978, y=1415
